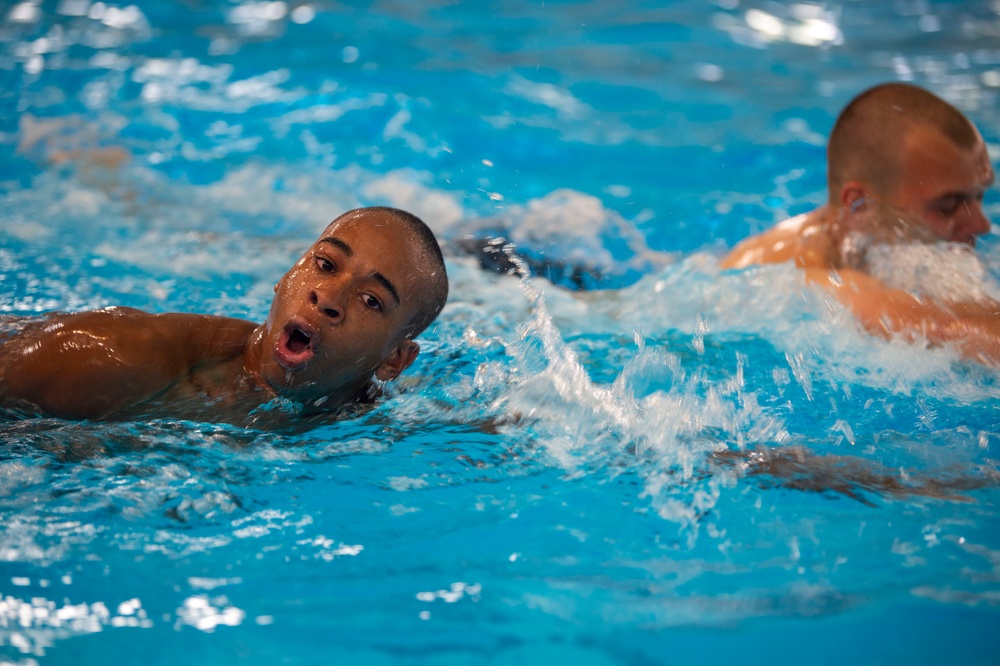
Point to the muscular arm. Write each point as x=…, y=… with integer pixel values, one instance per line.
x=972, y=328
x=94, y=364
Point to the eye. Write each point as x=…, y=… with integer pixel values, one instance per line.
x=371, y=302
x=946, y=207
x=325, y=265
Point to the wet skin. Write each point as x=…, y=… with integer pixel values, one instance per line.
x=339, y=316
x=940, y=190
x=943, y=185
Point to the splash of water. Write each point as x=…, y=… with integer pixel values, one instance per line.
x=657, y=420
x=947, y=272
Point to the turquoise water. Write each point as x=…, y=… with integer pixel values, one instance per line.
x=596, y=523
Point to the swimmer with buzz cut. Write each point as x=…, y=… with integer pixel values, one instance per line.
x=346, y=314
x=903, y=166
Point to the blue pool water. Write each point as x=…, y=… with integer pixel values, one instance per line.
x=593, y=525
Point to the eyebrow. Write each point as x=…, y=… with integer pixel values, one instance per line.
x=336, y=242
x=388, y=285
x=378, y=277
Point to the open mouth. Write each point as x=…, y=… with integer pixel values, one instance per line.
x=297, y=341
x=295, y=346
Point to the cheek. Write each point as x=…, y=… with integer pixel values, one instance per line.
x=941, y=226
x=274, y=312
x=285, y=291
x=351, y=353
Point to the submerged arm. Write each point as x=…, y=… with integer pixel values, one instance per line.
x=972, y=328
x=799, y=468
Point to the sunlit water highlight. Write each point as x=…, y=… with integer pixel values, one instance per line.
x=545, y=484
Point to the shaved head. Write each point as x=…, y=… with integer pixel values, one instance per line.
x=867, y=140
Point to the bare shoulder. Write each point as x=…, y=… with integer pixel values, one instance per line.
x=89, y=364
x=204, y=337
x=802, y=239
x=130, y=334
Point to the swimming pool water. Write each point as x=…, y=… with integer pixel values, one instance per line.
x=543, y=486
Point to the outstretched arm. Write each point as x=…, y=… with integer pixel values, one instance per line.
x=798, y=468
x=972, y=328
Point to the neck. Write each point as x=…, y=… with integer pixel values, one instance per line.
x=250, y=371
x=832, y=222
x=365, y=394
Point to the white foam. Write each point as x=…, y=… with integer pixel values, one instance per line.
x=816, y=333
x=947, y=272
x=650, y=421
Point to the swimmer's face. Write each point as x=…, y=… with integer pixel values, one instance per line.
x=942, y=185
x=341, y=314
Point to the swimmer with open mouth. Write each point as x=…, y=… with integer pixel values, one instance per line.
x=342, y=317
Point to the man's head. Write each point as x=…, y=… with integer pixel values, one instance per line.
x=901, y=146
x=351, y=305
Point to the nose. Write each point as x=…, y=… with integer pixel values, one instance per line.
x=328, y=302
x=974, y=222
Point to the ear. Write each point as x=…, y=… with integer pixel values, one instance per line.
x=398, y=360
x=854, y=196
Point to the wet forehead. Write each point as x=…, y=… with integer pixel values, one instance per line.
x=366, y=217
x=932, y=161
x=373, y=233
x=378, y=243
